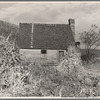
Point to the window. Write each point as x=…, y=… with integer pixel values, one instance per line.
x=43, y=51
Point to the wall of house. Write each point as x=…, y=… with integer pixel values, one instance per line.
x=30, y=55
x=35, y=55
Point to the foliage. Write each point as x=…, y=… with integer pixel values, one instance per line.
x=12, y=73
x=78, y=81
x=7, y=28
x=68, y=79
x=91, y=40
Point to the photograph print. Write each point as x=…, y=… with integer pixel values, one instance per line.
x=50, y=49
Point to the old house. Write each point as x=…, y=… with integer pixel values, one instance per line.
x=46, y=42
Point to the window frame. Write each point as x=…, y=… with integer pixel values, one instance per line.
x=43, y=51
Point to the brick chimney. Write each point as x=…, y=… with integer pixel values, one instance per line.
x=72, y=25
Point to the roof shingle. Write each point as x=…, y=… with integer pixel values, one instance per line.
x=46, y=36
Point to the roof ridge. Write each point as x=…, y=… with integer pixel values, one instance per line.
x=44, y=24
x=50, y=24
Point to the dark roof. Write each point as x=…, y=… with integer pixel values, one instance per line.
x=24, y=36
x=46, y=36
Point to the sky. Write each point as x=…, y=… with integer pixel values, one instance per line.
x=84, y=13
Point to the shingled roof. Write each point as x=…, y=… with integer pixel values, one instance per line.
x=45, y=36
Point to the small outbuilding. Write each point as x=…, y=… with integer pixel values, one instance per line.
x=47, y=43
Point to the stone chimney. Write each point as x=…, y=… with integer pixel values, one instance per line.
x=72, y=25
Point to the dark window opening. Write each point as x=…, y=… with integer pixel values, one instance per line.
x=43, y=51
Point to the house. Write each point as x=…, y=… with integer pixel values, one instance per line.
x=45, y=42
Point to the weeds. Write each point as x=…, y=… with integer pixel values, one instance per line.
x=68, y=79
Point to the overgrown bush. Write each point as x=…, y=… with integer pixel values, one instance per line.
x=78, y=81
x=12, y=71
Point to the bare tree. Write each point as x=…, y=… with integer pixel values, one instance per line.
x=91, y=40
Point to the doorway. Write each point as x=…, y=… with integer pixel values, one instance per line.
x=61, y=55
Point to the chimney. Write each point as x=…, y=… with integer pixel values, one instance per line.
x=72, y=25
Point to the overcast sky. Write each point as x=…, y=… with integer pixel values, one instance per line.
x=85, y=14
